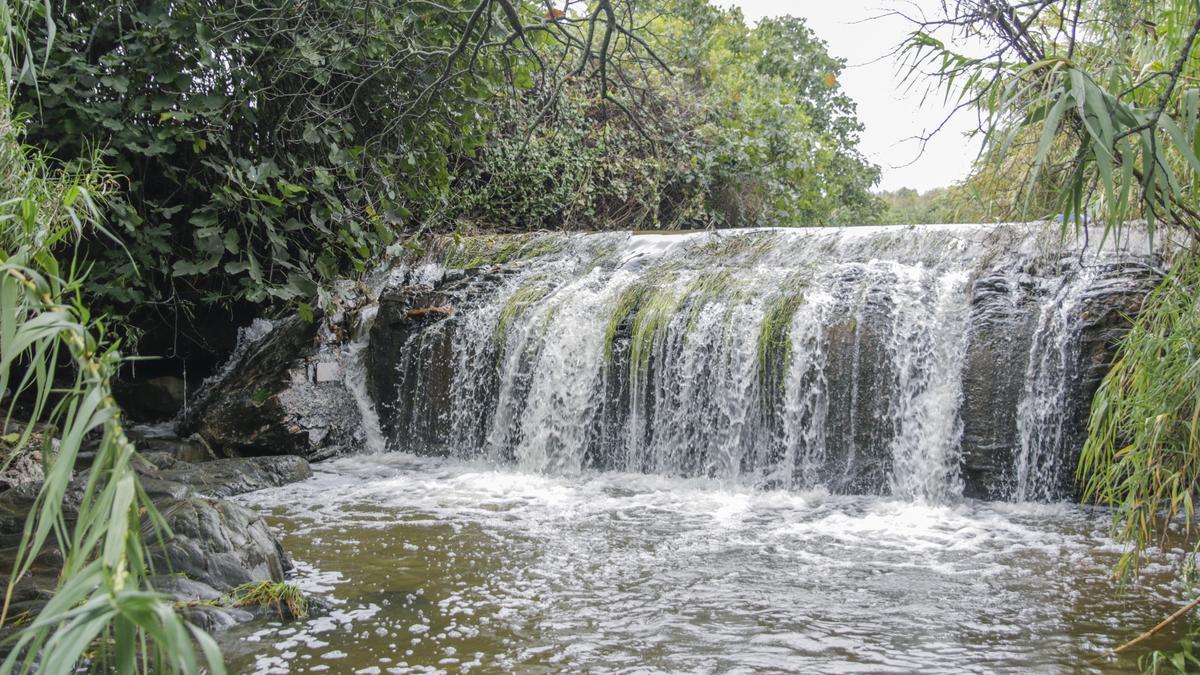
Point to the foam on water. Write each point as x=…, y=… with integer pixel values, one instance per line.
x=613, y=572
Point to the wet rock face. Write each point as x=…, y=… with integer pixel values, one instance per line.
x=397, y=374
x=284, y=396
x=218, y=543
x=1003, y=336
x=1000, y=338
x=215, y=545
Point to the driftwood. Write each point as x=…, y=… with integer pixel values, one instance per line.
x=445, y=310
x=1160, y=627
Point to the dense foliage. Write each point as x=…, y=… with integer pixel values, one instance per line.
x=265, y=148
x=749, y=128
x=1089, y=110
x=262, y=147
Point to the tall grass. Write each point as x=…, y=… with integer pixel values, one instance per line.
x=104, y=615
x=1142, y=455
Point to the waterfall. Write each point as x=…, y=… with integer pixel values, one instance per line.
x=355, y=379
x=928, y=363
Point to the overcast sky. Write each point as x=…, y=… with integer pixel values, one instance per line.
x=891, y=116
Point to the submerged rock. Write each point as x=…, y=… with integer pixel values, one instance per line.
x=15, y=504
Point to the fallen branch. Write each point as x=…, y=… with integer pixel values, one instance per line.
x=1160, y=627
x=446, y=310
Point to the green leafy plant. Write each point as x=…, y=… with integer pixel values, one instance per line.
x=103, y=615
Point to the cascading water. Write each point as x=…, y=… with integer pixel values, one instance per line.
x=864, y=360
x=869, y=376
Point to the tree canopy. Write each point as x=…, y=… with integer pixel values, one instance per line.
x=265, y=148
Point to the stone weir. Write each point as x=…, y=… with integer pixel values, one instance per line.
x=925, y=362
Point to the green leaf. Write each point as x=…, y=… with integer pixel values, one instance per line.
x=1049, y=129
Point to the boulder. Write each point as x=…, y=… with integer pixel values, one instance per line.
x=284, y=394
x=217, y=543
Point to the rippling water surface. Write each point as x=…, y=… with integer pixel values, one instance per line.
x=444, y=566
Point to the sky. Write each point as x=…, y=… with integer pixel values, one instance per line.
x=857, y=31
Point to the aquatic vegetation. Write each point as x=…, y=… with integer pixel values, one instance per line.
x=473, y=251
x=286, y=599
x=654, y=313
x=706, y=288
x=741, y=248
x=626, y=304
x=774, y=343
x=528, y=294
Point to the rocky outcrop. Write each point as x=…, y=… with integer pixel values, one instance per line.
x=214, y=545
x=396, y=374
x=283, y=395
x=229, y=477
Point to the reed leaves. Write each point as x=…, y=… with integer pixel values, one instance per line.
x=1099, y=104
x=55, y=371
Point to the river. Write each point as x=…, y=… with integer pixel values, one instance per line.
x=446, y=565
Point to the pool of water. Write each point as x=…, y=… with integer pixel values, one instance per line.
x=437, y=565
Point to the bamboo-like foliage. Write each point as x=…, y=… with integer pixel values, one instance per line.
x=1102, y=100
x=1143, y=451
x=1104, y=93
x=103, y=610
x=104, y=615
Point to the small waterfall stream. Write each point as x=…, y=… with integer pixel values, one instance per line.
x=920, y=362
x=809, y=450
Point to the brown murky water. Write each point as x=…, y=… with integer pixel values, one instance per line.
x=444, y=566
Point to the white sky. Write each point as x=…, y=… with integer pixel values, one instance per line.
x=857, y=32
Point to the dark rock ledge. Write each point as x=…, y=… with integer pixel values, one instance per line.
x=216, y=545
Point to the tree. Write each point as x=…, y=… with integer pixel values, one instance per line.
x=744, y=127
